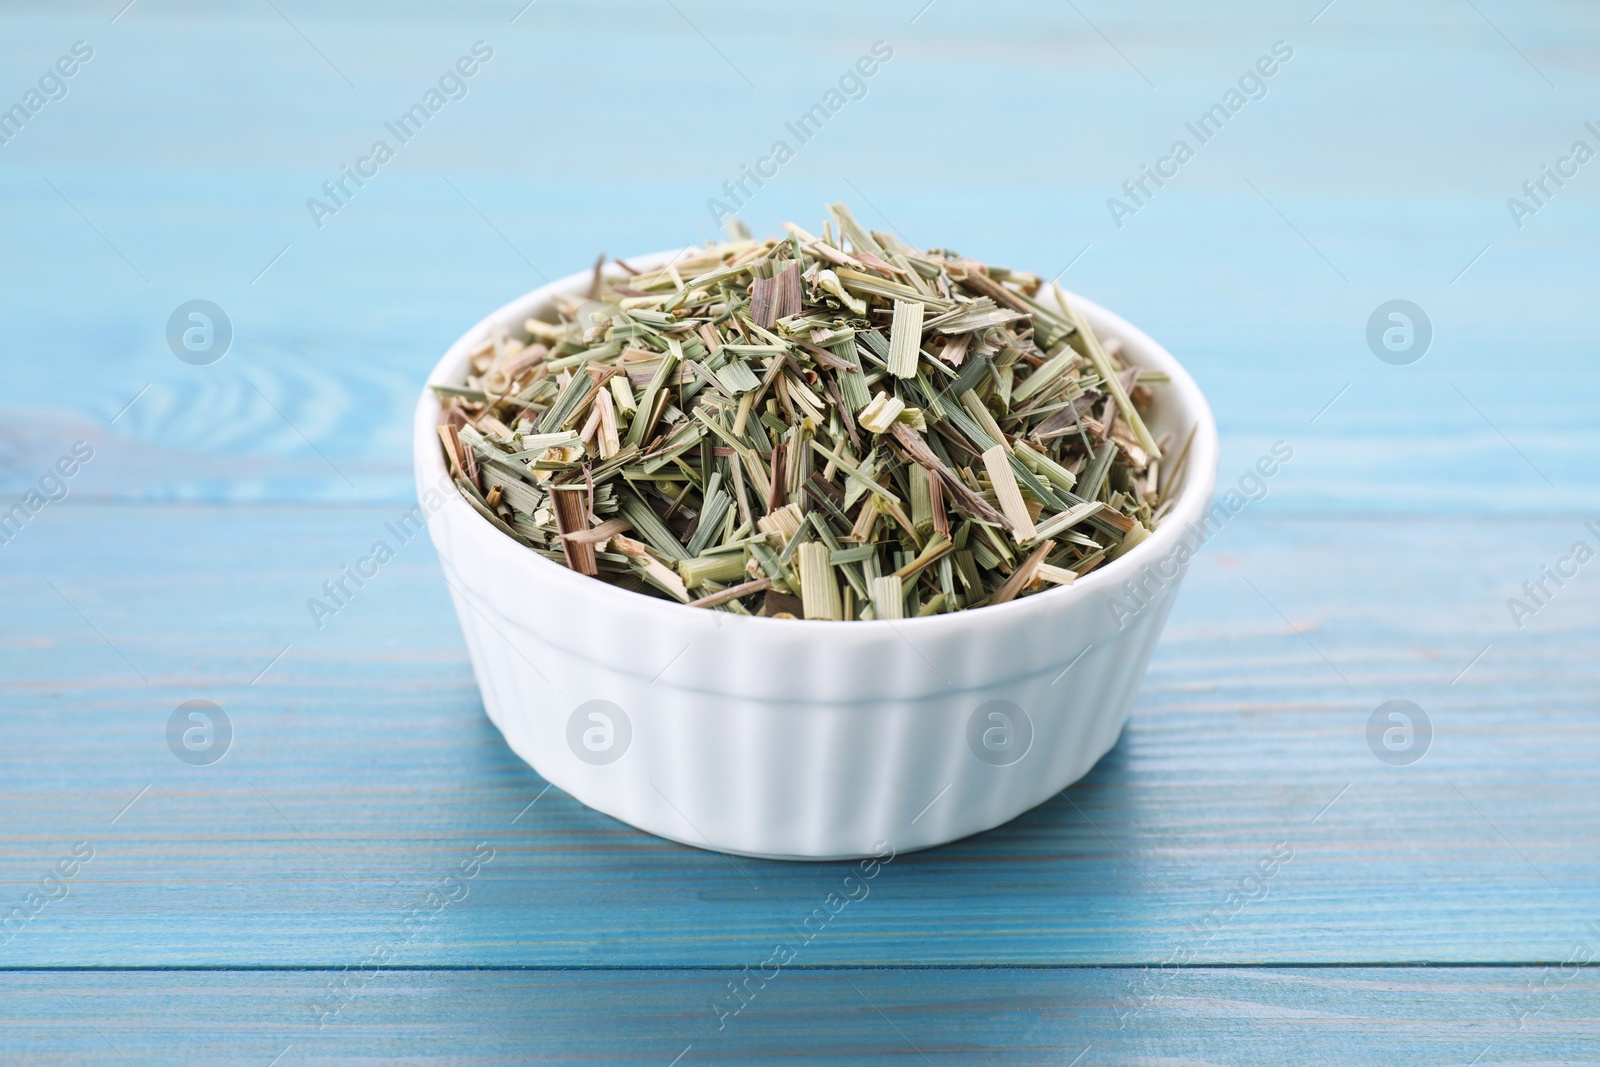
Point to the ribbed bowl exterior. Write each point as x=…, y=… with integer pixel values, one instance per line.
x=795, y=739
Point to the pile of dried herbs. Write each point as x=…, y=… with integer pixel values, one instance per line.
x=833, y=427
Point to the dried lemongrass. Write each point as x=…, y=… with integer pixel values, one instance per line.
x=838, y=426
x=1004, y=481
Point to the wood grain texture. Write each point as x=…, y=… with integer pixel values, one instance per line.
x=1377, y=166
x=363, y=770
x=1347, y=1016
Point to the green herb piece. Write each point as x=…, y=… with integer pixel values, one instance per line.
x=653, y=399
x=1004, y=482
x=819, y=589
x=858, y=554
x=905, y=338
x=715, y=508
x=721, y=568
x=1049, y=374
x=1055, y=525
x=888, y=597
x=1108, y=375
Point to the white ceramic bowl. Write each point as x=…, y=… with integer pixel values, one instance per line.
x=797, y=739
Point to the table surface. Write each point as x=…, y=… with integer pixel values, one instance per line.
x=1438, y=912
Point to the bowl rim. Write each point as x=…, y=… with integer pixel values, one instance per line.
x=1193, y=500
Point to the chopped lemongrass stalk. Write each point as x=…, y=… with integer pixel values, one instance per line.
x=721, y=568
x=596, y=534
x=732, y=593
x=1056, y=524
x=1108, y=375
x=1024, y=574
x=829, y=280
x=888, y=597
x=663, y=576
x=623, y=393
x=1133, y=537
x=1004, y=481
x=1048, y=374
x=905, y=338
x=782, y=524
x=922, y=490
x=880, y=415
x=819, y=589
x=877, y=286
x=936, y=549
x=1044, y=466
x=610, y=445
x=452, y=451
x=571, y=511
x=860, y=240
x=1055, y=575
x=535, y=443
x=975, y=407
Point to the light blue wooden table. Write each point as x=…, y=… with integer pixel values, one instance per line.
x=1440, y=911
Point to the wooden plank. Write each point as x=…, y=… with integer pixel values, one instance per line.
x=1437, y=1016
x=338, y=335
x=363, y=770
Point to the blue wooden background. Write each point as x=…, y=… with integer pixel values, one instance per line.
x=1441, y=912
